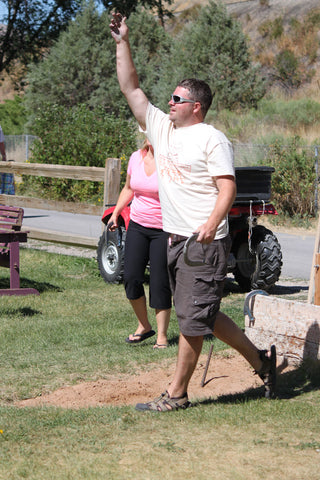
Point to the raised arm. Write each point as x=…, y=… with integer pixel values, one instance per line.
x=126, y=70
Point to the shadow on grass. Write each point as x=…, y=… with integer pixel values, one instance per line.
x=25, y=283
x=304, y=379
x=288, y=290
x=173, y=341
x=231, y=286
x=24, y=312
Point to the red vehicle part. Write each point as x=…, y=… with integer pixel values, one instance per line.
x=255, y=259
x=123, y=219
x=256, y=210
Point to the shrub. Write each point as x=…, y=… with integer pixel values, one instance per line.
x=78, y=136
x=272, y=29
x=287, y=66
x=13, y=116
x=299, y=113
x=293, y=182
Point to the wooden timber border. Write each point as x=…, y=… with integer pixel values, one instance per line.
x=110, y=176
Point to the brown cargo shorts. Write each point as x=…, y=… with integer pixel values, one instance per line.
x=197, y=291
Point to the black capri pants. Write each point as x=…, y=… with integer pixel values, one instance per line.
x=145, y=245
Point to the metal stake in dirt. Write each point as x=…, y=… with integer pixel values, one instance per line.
x=203, y=381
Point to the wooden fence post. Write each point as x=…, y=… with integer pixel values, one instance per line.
x=110, y=175
x=312, y=274
x=317, y=280
x=112, y=181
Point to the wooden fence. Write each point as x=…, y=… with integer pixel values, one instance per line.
x=110, y=175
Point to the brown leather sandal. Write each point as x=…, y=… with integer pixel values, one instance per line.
x=165, y=403
x=268, y=371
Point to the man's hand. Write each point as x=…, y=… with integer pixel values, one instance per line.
x=118, y=27
x=206, y=234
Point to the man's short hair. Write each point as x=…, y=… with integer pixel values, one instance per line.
x=199, y=91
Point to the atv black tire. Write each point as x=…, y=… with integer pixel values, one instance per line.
x=260, y=268
x=110, y=256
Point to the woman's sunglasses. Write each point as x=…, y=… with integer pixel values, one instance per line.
x=178, y=99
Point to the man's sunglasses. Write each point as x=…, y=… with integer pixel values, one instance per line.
x=178, y=99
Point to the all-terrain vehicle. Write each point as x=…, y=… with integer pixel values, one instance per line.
x=255, y=259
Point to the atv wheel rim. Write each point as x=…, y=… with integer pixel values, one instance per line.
x=110, y=259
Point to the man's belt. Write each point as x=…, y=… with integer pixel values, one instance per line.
x=176, y=238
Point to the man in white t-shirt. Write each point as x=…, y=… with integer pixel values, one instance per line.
x=197, y=189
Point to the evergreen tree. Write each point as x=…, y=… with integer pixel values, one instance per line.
x=212, y=48
x=80, y=68
x=127, y=7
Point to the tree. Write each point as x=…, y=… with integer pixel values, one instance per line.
x=30, y=28
x=127, y=7
x=213, y=48
x=80, y=67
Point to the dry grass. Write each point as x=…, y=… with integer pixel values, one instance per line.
x=221, y=441
x=74, y=332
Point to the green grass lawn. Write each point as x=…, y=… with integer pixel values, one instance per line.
x=74, y=332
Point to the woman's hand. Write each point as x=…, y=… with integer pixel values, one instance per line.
x=113, y=222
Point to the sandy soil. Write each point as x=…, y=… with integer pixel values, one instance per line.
x=227, y=374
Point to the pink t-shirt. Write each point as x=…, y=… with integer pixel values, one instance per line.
x=145, y=207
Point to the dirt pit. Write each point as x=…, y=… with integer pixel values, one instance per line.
x=227, y=374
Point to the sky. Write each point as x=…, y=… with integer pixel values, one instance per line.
x=3, y=9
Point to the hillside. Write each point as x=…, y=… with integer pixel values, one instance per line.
x=251, y=13
x=261, y=18
x=253, y=16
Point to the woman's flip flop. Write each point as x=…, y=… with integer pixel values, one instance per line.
x=140, y=337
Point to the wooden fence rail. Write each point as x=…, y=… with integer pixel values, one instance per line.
x=110, y=175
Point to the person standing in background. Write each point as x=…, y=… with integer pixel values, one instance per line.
x=2, y=146
x=7, y=186
x=145, y=242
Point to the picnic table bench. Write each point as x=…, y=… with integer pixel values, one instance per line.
x=10, y=238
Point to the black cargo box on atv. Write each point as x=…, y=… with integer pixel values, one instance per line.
x=253, y=183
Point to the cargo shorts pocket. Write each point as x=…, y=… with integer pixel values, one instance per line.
x=206, y=295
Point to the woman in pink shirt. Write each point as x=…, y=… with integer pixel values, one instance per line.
x=145, y=242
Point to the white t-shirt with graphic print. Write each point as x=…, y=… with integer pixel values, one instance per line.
x=187, y=159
